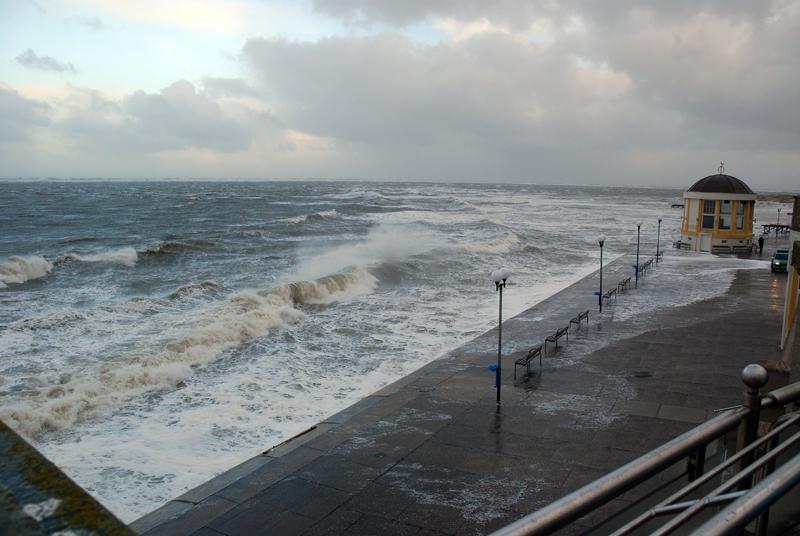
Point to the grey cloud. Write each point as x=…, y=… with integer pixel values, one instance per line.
x=45, y=63
x=519, y=14
x=178, y=117
x=229, y=87
x=708, y=78
x=734, y=73
x=18, y=115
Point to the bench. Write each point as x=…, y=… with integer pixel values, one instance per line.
x=623, y=285
x=532, y=354
x=577, y=320
x=560, y=332
x=613, y=292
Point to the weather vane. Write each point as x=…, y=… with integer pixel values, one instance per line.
x=721, y=168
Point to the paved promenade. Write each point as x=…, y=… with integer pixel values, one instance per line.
x=432, y=455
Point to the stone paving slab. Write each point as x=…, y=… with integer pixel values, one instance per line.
x=433, y=454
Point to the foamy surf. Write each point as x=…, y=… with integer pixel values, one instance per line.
x=18, y=269
x=243, y=317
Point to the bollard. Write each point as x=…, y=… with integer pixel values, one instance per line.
x=754, y=377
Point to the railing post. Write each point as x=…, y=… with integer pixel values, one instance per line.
x=754, y=378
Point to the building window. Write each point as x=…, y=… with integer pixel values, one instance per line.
x=708, y=214
x=725, y=215
x=741, y=207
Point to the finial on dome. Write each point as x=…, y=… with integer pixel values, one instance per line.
x=721, y=168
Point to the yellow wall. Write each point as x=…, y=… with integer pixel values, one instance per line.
x=733, y=233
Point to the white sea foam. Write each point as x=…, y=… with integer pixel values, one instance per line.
x=243, y=317
x=700, y=276
x=124, y=256
x=16, y=270
x=57, y=406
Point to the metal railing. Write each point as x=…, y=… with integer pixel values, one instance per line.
x=746, y=504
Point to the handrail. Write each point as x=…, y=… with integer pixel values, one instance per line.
x=582, y=501
x=681, y=518
x=742, y=511
x=697, y=483
x=782, y=396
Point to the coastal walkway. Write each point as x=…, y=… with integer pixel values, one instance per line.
x=432, y=454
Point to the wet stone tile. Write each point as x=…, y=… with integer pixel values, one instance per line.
x=340, y=472
x=339, y=522
x=381, y=500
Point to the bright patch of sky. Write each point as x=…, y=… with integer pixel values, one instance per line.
x=122, y=46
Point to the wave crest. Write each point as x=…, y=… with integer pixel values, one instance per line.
x=17, y=269
x=316, y=216
x=332, y=288
x=174, y=247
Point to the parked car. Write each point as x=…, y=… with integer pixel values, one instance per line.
x=780, y=260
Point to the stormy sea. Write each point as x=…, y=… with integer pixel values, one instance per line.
x=154, y=334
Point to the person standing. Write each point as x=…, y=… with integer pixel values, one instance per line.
x=760, y=244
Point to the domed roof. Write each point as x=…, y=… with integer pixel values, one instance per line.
x=722, y=184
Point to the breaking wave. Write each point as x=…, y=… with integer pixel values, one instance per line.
x=17, y=270
x=242, y=318
x=316, y=216
x=331, y=288
x=175, y=247
x=124, y=256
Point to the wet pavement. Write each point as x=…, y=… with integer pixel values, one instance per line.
x=433, y=454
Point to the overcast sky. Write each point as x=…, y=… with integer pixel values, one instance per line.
x=615, y=92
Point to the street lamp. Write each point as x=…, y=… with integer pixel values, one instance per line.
x=658, y=238
x=638, y=235
x=499, y=277
x=601, y=240
x=777, y=223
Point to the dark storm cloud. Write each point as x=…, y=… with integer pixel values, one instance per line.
x=31, y=60
x=18, y=115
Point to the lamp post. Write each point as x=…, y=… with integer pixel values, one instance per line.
x=601, y=240
x=638, y=235
x=778, y=222
x=658, y=238
x=499, y=277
